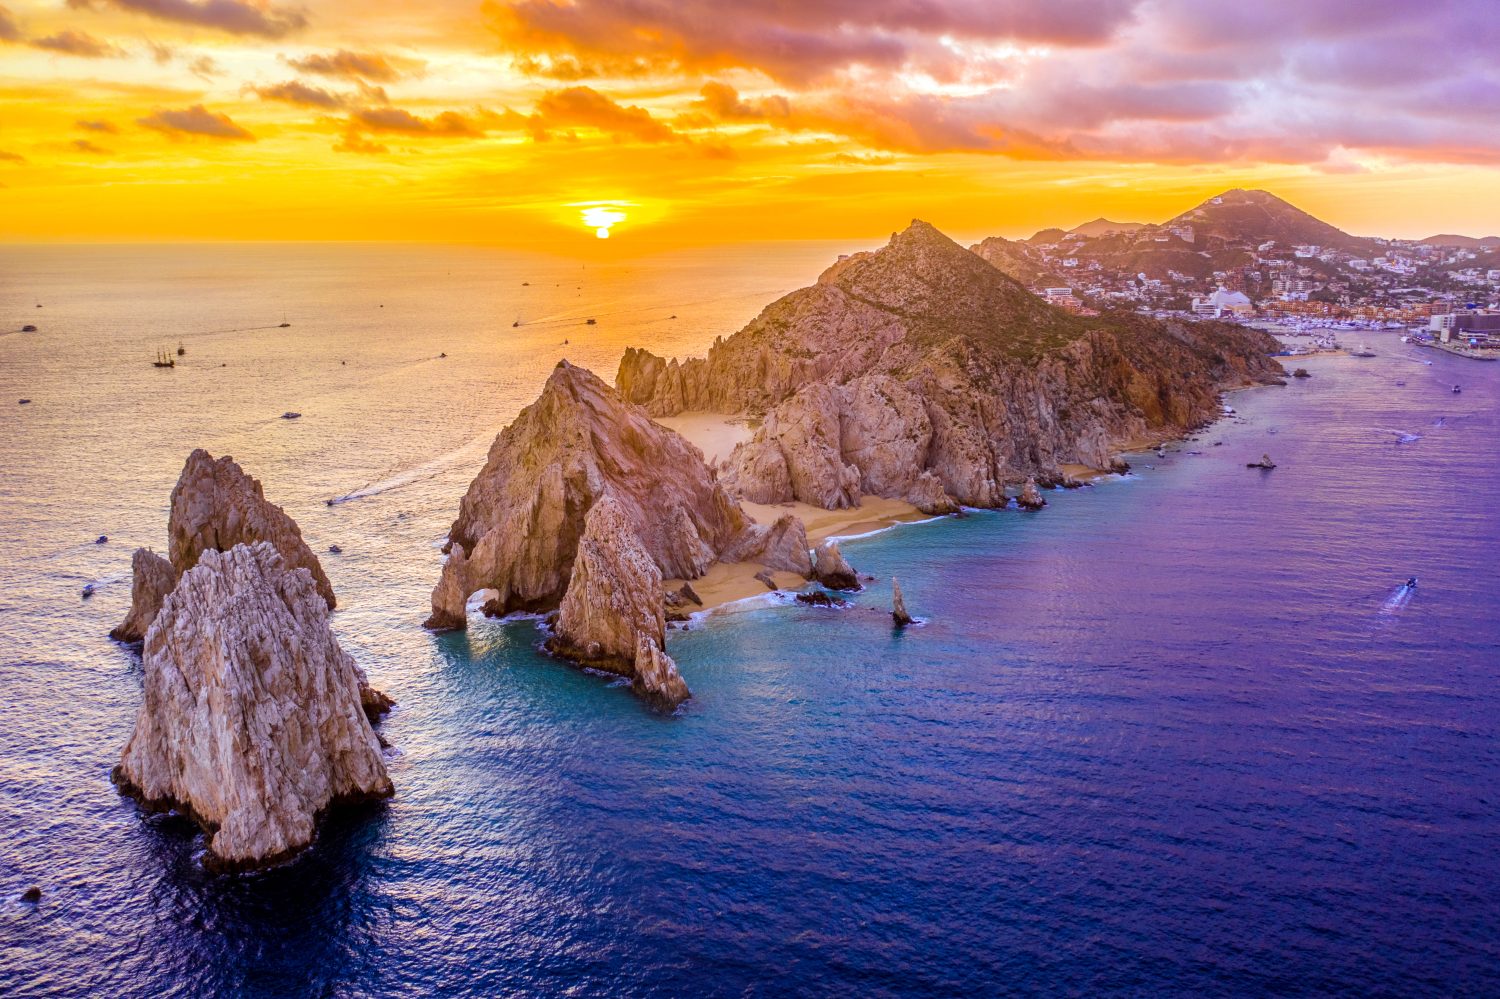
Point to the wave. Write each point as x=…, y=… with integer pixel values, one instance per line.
x=429, y=469
x=1396, y=602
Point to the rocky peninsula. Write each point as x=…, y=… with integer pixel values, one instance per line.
x=920, y=371
x=917, y=376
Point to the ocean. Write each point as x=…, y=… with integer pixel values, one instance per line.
x=1181, y=733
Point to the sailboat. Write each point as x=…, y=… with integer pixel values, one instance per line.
x=181, y=350
x=164, y=360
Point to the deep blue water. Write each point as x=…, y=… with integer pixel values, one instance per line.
x=1178, y=734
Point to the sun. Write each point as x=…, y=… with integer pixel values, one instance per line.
x=602, y=216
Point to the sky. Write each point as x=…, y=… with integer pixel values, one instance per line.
x=682, y=122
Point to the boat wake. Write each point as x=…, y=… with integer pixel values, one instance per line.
x=470, y=452
x=1396, y=602
x=1402, y=436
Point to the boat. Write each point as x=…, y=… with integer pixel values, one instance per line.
x=181, y=350
x=1456, y=390
x=88, y=591
x=1411, y=583
x=163, y=360
x=283, y=326
x=291, y=416
x=1265, y=462
x=28, y=328
x=515, y=324
x=590, y=322
x=1363, y=351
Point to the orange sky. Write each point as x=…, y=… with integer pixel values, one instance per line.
x=704, y=122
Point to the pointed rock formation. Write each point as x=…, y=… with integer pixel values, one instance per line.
x=253, y=721
x=656, y=678
x=921, y=362
x=521, y=521
x=216, y=506
x=779, y=547
x=614, y=595
x=898, y=605
x=451, y=595
x=1031, y=496
x=830, y=568
x=151, y=579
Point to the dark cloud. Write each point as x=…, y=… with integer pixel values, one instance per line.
x=11, y=157
x=353, y=142
x=85, y=146
x=77, y=43
x=195, y=121
x=300, y=94
x=236, y=17
x=372, y=66
x=106, y=127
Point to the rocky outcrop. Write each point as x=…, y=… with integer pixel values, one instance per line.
x=920, y=372
x=151, y=579
x=898, y=605
x=1031, y=496
x=216, y=506
x=656, y=678
x=521, y=521
x=779, y=547
x=253, y=721
x=614, y=594
x=831, y=569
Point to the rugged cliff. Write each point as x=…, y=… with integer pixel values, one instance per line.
x=920, y=372
x=520, y=522
x=254, y=720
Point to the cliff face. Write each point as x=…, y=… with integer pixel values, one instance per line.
x=216, y=506
x=520, y=523
x=151, y=579
x=920, y=361
x=254, y=719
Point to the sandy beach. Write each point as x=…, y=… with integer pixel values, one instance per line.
x=714, y=433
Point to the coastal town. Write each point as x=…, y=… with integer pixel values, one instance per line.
x=1249, y=255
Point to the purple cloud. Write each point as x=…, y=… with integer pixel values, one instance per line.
x=196, y=121
x=235, y=17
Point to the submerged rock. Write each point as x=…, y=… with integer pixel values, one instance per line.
x=818, y=598
x=613, y=596
x=523, y=516
x=1301, y=373
x=151, y=579
x=656, y=678
x=32, y=895
x=898, y=605
x=830, y=568
x=253, y=721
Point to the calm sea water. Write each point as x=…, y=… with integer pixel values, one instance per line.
x=1180, y=733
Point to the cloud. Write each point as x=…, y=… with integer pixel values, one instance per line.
x=77, y=43
x=793, y=43
x=10, y=31
x=447, y=124
x=97, y=126
x=85, y=146
x=371, y=66
x=300, y=94
x=584, y=107
x=6, y=157
x=195, y=121
x=353, y=142
x=205, y=68
x=235, y=17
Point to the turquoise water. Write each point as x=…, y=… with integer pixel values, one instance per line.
x=1180, y=733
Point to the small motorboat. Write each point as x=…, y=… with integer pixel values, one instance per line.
x=28, y=328
x=88, y=591
x=443, y=354
x=289, y=415
x=525, y=284
x=590, y=322
x=515, y=324
x=283, y=326
x=24, y=402
x=1411, y=582
x=1265, y=463
x=1456, y=390
x=102, y=539
x=181, y=350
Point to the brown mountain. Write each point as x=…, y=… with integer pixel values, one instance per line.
x=1104, y=227
x=921, y=372
x=1248, y=218
x=1462, y=242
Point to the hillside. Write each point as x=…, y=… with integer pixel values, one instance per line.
x=919, y=371
x=1248, y=218
x=1104, y=227
x=1462, y=242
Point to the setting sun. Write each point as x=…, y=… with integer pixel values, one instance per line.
x=600, y=217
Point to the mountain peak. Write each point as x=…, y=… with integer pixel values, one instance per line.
x=1251, y=216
